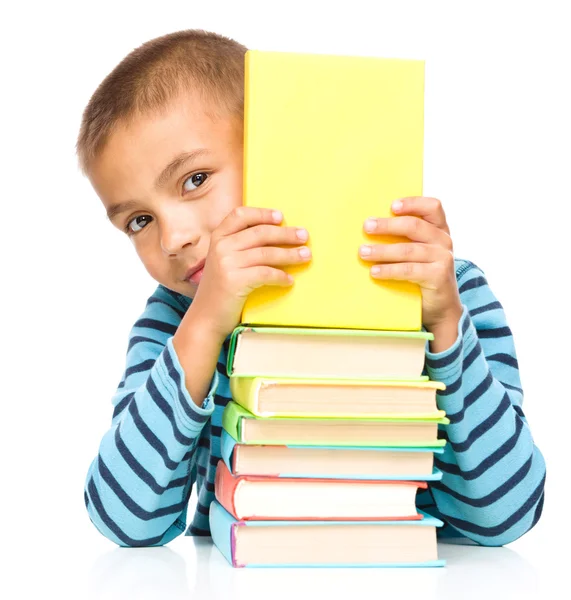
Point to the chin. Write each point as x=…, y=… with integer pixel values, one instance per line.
x=186, y=289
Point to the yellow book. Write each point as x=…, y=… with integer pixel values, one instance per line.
x=337, y=399
x=329, y=141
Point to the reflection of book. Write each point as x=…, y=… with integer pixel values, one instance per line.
x=331, y=141
x=274, y=498
x=290, y=397
x=247, y=428
x=324, y=543
x=331, y=461
x=327, y=353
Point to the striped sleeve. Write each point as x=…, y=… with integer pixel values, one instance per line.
x=493, y=475
x=137, y=488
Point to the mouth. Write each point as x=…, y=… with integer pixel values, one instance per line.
x=194, y=274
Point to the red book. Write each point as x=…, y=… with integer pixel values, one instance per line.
x=252, y=497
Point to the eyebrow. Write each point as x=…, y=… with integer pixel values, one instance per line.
x=176, y=163
x=173, y=166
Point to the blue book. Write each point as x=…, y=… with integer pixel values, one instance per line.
x=325, y=543
x=330, y=462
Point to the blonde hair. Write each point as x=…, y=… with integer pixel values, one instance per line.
x=157, y=72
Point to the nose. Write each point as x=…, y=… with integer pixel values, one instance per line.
x=176, y=234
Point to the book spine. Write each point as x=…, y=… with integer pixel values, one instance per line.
x=245, y=392
x=222, y=531
x=225, y=487
x=247, y=113
x=231, y=421
x=228, y=450
x=233, y=528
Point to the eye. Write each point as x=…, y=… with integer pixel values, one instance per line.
x=138, y=223
x=195, y=180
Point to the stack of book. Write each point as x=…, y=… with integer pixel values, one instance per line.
x=324, y=450
x=332, y=430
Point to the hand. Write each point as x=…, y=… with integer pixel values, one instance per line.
x=244, y=255
x=426, y=259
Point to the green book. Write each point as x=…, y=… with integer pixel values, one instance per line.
x=299, y=352
x=247, y=428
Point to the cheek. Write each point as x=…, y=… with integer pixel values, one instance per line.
x=152, y=260
x=217, y=217
x=227, y=200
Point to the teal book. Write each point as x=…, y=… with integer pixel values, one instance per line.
x=325, y=543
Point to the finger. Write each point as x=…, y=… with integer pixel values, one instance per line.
x=243, y=217
x=412, y=252
x=265, y=235
x=429, y=209
x=421, y=273
x=414, y=228
x=274, y=257
x=265, y=275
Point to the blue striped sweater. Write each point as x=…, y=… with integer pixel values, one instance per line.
x=161, y=445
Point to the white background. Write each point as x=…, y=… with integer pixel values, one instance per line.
x=497, y=131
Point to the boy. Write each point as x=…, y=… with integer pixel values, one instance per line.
x=161, y=142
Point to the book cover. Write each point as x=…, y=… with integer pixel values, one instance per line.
x=245, y=392
x=347, y=133
x=234, y=415
x=223, y=527
x=228, y=445
x=317, y=493
x=323, y=333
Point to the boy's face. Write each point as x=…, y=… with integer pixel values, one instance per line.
x=170, y=214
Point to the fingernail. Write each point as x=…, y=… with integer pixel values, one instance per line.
x=302, y=234
x=365, y=250
x=305, y=252
x=375, y=270
x=276, y=216
x=370, y=225
x=397, y=206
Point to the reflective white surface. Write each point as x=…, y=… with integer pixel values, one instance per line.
x=197, y=570
x=85, y=565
